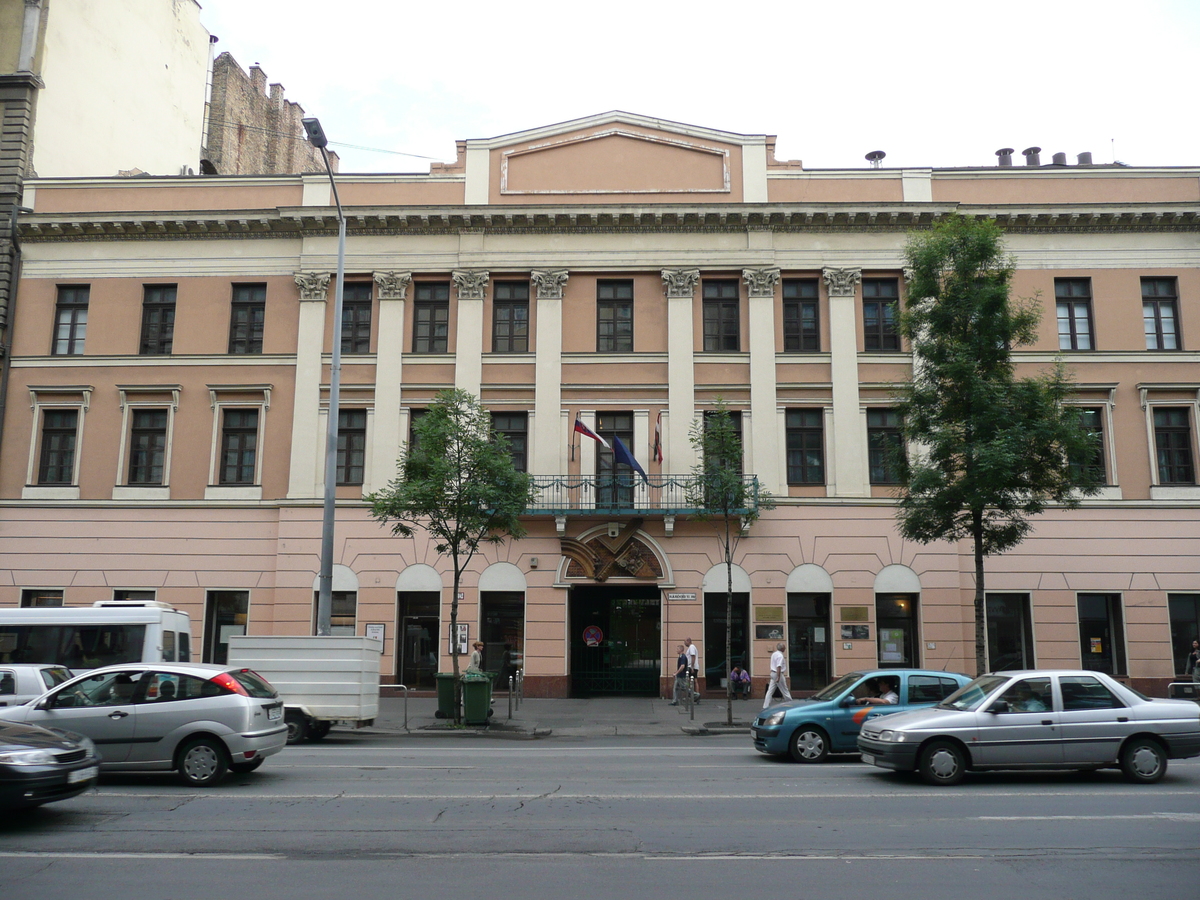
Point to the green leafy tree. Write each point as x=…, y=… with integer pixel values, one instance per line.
x=722, y=495
x=458, y=483
x=990, y=449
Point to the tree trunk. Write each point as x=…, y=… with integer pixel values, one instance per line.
x=980, y=607
x=454, y=643
x=728, y=626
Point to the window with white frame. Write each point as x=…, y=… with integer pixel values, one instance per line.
x=147, y=420
x=239, y=423
x=56, y=441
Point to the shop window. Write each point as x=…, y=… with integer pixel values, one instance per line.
x=1101, y=633
x=896, y=623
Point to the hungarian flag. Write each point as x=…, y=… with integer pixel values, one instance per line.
x=622, y=455
x=657, y=451
x=580, y=428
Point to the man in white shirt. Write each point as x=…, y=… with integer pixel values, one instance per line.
x=693, y=657
x=778, y=676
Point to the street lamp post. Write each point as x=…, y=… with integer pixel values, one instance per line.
x=316, y=136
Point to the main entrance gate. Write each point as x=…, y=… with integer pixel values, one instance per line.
x=616, y=640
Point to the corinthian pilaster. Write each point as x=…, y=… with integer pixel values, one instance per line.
x=470, y=285
x=549, y=284
x=393, y=285
x=848, y=474
x=761, y=282
x=841, y=282
x=313, y=285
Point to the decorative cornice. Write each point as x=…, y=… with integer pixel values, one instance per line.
x=680, y=284
x=761, y=282
x=841, y=282
x=549, y=284
x=313, y=285
x=393, y=285
x=472, y=285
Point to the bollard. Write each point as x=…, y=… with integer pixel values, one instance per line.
x=692, y=697
x=404, y=687
x=511, y=684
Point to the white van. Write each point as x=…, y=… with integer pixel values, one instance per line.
x=87, y=637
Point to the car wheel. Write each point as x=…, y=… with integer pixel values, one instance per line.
x=244, y=768
x=318, y=730
x=942, y=762
x=808, y=744
x=297, y=726
x=203, y=762
x=1143, y=761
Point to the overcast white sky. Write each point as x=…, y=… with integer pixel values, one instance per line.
x=931, y=82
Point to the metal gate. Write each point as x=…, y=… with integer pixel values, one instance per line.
x=616, y=640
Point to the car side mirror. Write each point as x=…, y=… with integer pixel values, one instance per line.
x=847, y=702
x=1000, y=706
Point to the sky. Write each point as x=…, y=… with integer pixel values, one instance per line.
x=929, y=82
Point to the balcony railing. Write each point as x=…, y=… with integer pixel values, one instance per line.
x=627, y=495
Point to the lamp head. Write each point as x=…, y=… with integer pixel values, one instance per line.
x=314, y=132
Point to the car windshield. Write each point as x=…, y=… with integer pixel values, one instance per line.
x=255, y=684
x=971, y=695
x=830, y=691
x=54, y=677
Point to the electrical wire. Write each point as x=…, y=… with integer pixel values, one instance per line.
x=214, y=126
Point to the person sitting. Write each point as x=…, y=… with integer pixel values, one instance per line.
x=166, y=691
x=885, y=694
x=121, y=691
x=740, y=679
x=1027, y=700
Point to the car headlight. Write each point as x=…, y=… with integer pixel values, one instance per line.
x=775, y=718
x=27, y=758
x=898, y=737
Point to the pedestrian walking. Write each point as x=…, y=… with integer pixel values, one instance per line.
x=778, y=676
x=693, y=656
x=1193, y=661
x=681, y=676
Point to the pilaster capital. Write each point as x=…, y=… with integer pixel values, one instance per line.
x=680, y=284
x=313, y=285
x=470, y=285
x=841, y=282
x=761, y=281
x=393, y=285
x=549, y=284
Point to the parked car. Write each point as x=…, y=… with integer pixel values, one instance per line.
x=39, y=766
x=828, y=722
x=196, y=719
x=22, y=683
x=1037, y=719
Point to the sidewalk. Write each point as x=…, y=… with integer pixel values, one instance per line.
x=595, y=717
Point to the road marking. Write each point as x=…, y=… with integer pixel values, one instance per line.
x=364, y=766
x=816, y=857
x=68, y=854
x=1177, y=817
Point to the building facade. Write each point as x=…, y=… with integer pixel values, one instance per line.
x=168, y=396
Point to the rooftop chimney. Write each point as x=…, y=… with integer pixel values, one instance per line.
x=1005, y=154
x=1085, y=159
x=1031, y=156
x=1060, y=159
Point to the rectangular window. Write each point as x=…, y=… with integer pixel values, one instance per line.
x=614, y=480
x=515, y=428
x=1101, y=633
x=1185, y=628
x=41, y=597
x=70, y=320
x=614, y=317
x=735, y=418
x=1074, y=296
x=1173, y=445
x=356, y=317
x=158, y=320
x=805, y=446
x=147, y=446
x=1091, y=419
x=59, y=430
x=721, y=318
x=343, y=611
x=897, y=622
x=883, y=443
x=431, y=318
x=801, y=328
x=351, y=445
x=246, y=316
x=510, y=317
x=239, y=446
x=1160, y=313
x=881, y=298
x=414, y=416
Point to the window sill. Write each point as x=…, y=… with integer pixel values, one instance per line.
x=1175, y=492
x=141, y=492
x=233, y=492
x=48, y=492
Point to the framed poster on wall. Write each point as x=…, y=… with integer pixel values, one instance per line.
x=464, y=633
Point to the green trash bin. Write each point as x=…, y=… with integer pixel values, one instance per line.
x=445, y=694
x=477, y=698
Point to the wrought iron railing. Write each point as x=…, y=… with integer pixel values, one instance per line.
x=630, y=495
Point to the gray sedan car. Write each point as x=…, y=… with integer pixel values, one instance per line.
x=201, y=721
x=1038, y=719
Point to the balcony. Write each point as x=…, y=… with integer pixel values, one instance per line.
x=626, y=495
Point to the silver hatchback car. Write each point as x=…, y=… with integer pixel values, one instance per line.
x=1037, y=719
x=199, y=720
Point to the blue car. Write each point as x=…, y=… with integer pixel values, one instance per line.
x=829, y=721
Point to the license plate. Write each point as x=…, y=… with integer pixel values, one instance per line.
x=275, y=712
x=82, y=775
x=868, y=759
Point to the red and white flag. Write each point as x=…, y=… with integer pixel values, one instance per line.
x=580, y=428
x=657, y=451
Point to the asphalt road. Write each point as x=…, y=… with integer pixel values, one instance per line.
x=682, y=817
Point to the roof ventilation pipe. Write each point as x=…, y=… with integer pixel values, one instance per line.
x=1031, y=156
x=1060, y=159
x=1005, y=155
x=875, y=158
x=1085, y=159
